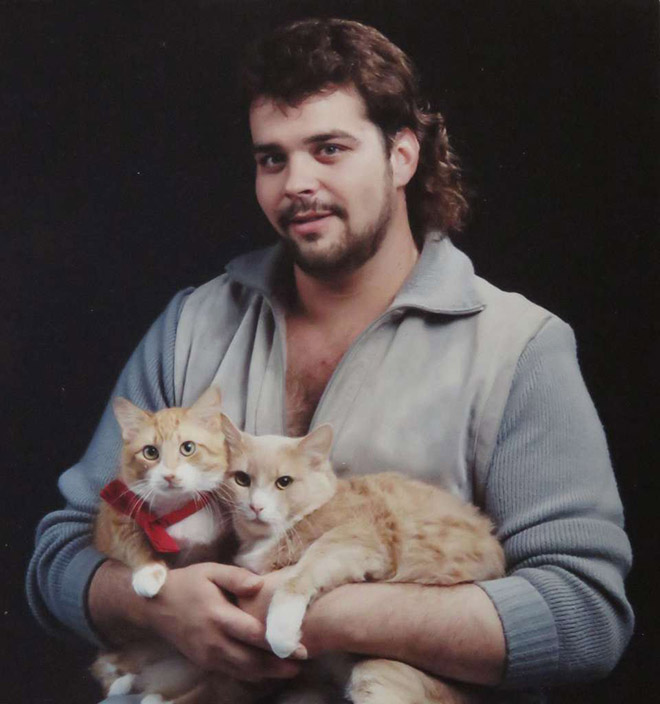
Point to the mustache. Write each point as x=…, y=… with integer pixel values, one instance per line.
x=306, y=204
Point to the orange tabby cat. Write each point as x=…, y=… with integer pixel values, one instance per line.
x=162, y=510
x=289, y=510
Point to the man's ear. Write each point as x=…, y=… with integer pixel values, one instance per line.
x=404, y=156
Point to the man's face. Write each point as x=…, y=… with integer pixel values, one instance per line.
x=323, y=179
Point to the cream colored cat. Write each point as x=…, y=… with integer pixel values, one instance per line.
x=163, y=510
x=289, y=510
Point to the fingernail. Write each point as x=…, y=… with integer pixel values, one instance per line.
x=252, y=582
x=300, y=653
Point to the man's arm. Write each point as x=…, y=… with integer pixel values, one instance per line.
x=454, y=632
x=561, y=614
x=192, y=612
x=72, y=587
x=552, y=494
x=64, y=559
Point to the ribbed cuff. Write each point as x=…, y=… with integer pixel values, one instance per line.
x=75, y=586
x=532, y=642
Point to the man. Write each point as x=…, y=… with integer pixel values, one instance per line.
x=367, y=317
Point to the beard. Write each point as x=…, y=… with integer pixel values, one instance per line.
x=350, y=252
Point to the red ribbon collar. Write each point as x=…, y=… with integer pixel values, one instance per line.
x=122, y=499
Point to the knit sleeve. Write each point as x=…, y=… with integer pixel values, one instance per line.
x=552, y=494
x=64, y=559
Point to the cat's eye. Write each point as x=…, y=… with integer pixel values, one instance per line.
x=242, y=479
x=149, y=452
x=187, y=448
x=283, y=482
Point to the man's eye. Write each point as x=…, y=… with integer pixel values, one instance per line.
x=149, y=452
x=330, y=150
x=270, y=161
x=242, y=479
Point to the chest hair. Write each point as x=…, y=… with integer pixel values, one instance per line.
x=310, y=365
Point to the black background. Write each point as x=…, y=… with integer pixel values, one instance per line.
x=130, y=178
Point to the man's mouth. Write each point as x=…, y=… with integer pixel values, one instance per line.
x=309, y=217
x=304, y=216
x=308, y=224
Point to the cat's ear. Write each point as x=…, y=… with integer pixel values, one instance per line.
x=318, y=443
x=131, y=419
x=233, y=436
x=206, y=409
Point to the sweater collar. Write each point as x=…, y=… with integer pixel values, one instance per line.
x=442, y=281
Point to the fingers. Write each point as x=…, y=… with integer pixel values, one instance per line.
x=241, y=626
x=275, y=668
x=234, y=579
x=300, y=653
x=246, y=663
x=193, y=612
x=246, y=629
x=219, y=653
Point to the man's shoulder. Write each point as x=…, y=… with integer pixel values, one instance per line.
x=231, y=293
x=509, y=324
x=511, y=313
x=225, y=312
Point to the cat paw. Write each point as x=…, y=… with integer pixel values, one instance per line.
x=122, y=685
x=148, y=580
x=154, y=699
x=285, y=617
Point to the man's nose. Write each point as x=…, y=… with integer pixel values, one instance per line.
x=301, y=176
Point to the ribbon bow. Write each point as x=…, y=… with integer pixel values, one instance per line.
x=123, y=500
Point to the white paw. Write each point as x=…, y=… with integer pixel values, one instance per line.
x=285, y=617
x=148, y=580
x=154, y=699
x=108, y=669
x=122, y=685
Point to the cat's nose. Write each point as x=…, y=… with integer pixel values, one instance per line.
x=256, y=509
x=170, y=479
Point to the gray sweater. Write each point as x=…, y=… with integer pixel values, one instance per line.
x=457, y=383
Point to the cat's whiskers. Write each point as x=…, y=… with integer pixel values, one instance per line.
x=204, y=499
x=134, y=487
x=139, y=487
x=219, y=516
x=226, y=495
x=137, y=500
x=140, y=500
x=224, y=492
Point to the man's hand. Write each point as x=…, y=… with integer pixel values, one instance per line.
x=192, y=612
x=256, y=603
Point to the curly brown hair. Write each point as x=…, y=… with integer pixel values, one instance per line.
x=308, y=56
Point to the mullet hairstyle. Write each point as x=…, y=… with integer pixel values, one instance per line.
x=310, y=56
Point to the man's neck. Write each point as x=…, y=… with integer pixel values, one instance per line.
x=364, y=293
